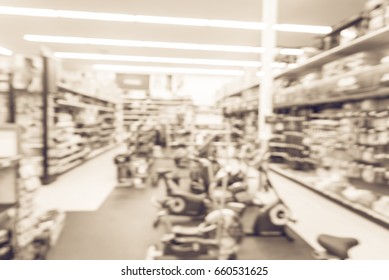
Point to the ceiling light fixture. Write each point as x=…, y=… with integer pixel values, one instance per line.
x=4, y=51
x=21, y=11
x=299, y=28
x=152, y=44
x=166, y=70
x=140, y=44
x=173, y=60
x=127, y=58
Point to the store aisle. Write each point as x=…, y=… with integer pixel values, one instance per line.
x=84, y=188
x=120, y=229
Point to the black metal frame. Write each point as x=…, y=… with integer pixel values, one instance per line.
x=11, y=101
x=46, y=177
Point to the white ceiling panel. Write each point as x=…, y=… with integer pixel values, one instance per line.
x=314, y=12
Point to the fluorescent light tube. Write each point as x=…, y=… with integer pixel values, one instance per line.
x=193, y=61
x=4, y=51
x=166, y=70
x=313, y=29
x=173, y=60
x=159, y=20
x=140, y=44
x=33, y=12
x=151, y=44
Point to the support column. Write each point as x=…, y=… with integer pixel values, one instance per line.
x=269, y=39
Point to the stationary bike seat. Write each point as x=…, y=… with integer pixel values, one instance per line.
x=185, y=231
x=190, y=196
x=162, y=172
x=237, y=187
x=337, y=246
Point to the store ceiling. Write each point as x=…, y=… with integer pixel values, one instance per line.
x=312, y=12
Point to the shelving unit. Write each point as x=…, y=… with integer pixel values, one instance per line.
x=7, y=104
x=373, y=93
x=28, y=110
x=369, y=42
x=151, y=108
x=8, y=199
x=241, y=111
x=305, y=180
x=82, y=127
x=62, y=126
x=140, y=111
x=304, y=109
x=18, y=185
x=338, y=122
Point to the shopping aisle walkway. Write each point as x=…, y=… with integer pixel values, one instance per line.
x=120, y=229
x=84, y=188
x=121, y=226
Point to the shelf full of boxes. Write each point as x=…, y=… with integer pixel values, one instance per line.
x=8, y=200
x=62, y=127
x=25, y=232
x=332, y=116
x=27, y=84
x=143, y=111
x=210, y=134
x=53, y=122
x=6, y=98
x=81, y=127
x=239, y=103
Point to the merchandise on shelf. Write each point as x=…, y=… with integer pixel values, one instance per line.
x=375, y=16
x=27, y=84
x=80, y=126
x=378, y=13
x=171, y=114
x=356, y=74
x=346, y=31
x=5, y=82
x=240, y=111
x=333, y=116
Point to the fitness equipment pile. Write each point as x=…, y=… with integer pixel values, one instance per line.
x=217, y=213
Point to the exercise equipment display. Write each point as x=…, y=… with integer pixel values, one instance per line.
x=217, y=237
x=222, y=214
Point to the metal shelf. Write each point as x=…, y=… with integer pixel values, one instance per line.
x=66, y=88
x=369, y=42
x=80, y=105
x=359, y=209
x=377, y=93
x=7, y=162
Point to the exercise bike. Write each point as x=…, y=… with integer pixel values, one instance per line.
x=179, y=202
x=218, y=237
x=266, y=214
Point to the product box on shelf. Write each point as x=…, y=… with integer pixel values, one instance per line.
x=378, y=13
x=346, y=31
